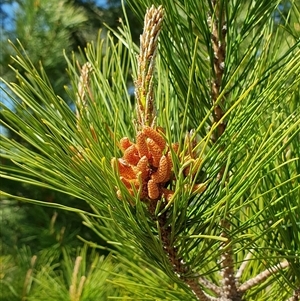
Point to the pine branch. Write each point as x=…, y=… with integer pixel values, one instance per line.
x=152, y=167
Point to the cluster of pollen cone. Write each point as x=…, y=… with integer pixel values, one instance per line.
x=146, y=166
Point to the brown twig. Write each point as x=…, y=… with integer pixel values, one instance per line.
x=177, y=263
x=243, y=266
x=218, y=34
x=210, y=285
x=262, y=276
x=219, y=49
x=229, y=289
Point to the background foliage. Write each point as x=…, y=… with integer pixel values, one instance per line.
x=46, y=30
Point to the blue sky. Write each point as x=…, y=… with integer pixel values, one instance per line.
x=9, y=9
x=4, y=99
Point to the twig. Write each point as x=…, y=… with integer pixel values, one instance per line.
x=219, y=49
x=197, y=290
x=209, y=285
x=218, y=34
x=229, y=286
x=262, y=276
x=179, y=267
x=243, y=266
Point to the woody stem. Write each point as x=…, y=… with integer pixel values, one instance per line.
x=179, y=267
x=218, y=34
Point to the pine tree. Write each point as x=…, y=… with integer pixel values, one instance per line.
x=195, y=185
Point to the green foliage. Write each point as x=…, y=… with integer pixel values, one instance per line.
x=46, y=276
x=258, y=153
